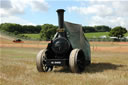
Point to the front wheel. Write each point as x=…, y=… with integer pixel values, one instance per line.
x=77, y=61
x=41, y=62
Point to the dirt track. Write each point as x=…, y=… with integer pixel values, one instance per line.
x=105, y=46
x=110, y=46
x=23, y=45
x=29, y=44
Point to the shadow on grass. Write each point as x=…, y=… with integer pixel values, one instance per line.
x=100, y=67
x=93, y=68
x=63, y=69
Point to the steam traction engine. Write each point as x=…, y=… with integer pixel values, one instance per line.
x=69, y=48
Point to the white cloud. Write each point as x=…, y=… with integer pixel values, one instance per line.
x=12, y=7
x=9, y=9
x=100, y=10
x=15, y=19
x=121, y=8
x=110, y=21
x=39, y=5
x=108, y=12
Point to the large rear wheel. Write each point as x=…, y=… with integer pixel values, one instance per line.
x=77, y=61
x=41, y=62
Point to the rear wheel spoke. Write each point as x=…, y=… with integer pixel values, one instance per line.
x=41, y=62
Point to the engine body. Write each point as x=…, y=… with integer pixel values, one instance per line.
x=60, y=45
x=69, y=47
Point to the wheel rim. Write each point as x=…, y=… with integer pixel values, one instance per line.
x=77, y=61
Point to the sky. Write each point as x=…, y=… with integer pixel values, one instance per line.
x=85, y=12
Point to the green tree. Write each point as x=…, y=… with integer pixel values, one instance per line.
x=17, y=28
x=88, y=29
x=16, y=32
x=48, y=31
x=10, y=27
x=102, y=28
x=38, y=28
x=118, y=32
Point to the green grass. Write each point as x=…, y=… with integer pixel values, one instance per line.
x=126, y=34
x=33, y=36
x=88, y=35
x=99, y=34
x=96, y=34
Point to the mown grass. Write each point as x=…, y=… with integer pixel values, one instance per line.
x=88, y=35
x=98, y=34
x=18, y=52
x=33, y=36
x=126, y=34
x=18, y=67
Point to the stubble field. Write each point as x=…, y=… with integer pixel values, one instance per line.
x=18, y=66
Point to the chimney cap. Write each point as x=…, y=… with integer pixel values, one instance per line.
x=60, y=10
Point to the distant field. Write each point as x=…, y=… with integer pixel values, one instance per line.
x=96, y=34
x=33, y=36
x=88, y=35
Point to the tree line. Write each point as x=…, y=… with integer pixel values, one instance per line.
x=102, y=28
x=17, y=28
x=47, y=31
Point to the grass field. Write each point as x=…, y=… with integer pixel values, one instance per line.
x=109, y=67
x=88, y=35
x=96, y=34
x=33, y=36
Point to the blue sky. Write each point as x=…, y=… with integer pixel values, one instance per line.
x=50, y=16
x=86, y=12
